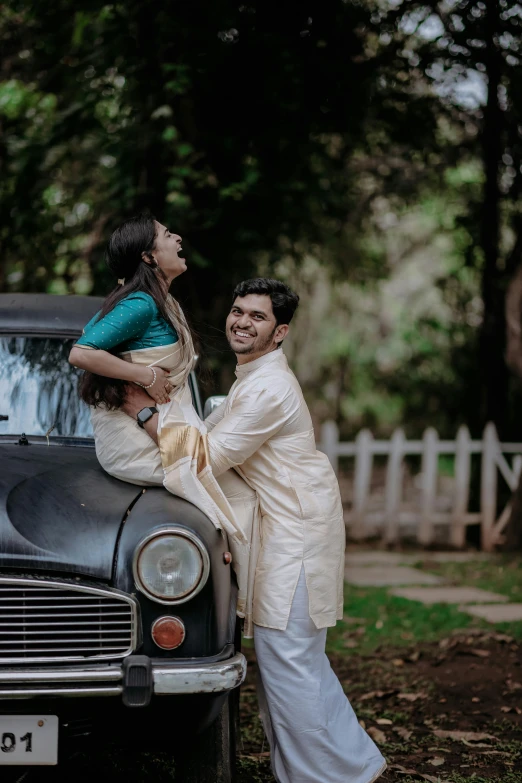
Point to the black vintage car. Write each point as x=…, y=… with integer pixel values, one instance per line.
x=117, y=602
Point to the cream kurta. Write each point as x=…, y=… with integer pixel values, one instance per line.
x=264, y=430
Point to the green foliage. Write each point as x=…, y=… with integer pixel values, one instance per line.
x=376, y=618
x=236, y=146
x=267, y=136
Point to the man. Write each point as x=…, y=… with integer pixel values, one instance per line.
x=264, y=431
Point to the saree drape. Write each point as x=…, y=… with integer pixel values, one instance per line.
x=182, y=439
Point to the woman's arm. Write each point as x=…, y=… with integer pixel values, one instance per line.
x=128, y=320
x=104, y=363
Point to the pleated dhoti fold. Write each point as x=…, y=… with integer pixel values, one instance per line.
x=313, y=732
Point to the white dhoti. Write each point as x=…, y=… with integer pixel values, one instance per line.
x=313, y=732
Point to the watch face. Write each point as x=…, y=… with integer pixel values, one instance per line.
x=144, y=415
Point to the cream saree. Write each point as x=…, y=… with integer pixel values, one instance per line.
x=128, y=453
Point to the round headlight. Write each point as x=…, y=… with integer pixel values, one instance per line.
x=171, y=566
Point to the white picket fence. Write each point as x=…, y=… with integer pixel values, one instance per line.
x=389, y=518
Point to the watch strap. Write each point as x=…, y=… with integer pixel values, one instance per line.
x=143, y=419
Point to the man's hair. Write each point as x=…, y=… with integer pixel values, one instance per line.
x=284, y=300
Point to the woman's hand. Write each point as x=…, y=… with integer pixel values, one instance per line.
x=161, y=388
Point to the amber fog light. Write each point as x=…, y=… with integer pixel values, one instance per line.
x=168, y=632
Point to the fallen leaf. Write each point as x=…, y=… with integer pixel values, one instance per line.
x=377, y=735
x=376, y=695
x=404, y=733
x=349, y=644
x=478, y=652
x=414, y=657
x=514, y=686
x=384, y=722
x=398, y=662
x=476, y=744
x=507, y=709
x=357, y=620
x=447, y=644
x=470, y=736
x=412, y=696
x=402, y=770
x=362, y=723
x=437, y=761
x=475, y=699
x=502, y=637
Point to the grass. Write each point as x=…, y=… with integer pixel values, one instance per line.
x=372, y=617
x=500, y=574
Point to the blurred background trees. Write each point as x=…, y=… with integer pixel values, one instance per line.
x=367, y=151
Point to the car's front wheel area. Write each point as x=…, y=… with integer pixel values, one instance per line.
x=189, y=739
x=210, y=757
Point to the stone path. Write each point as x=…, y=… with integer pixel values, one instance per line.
x=383, y=576
x=379, y=557
x=496, y=614
x=448, y=595
x=391, y=569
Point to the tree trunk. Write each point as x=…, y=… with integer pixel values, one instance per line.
x=494, y=369
x=513, y=311
x=513, y=532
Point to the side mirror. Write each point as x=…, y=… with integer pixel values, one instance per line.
x=212, y=403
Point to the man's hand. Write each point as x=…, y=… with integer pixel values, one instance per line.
x=135, y=400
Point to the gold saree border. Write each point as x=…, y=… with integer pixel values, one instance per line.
x=180, y=441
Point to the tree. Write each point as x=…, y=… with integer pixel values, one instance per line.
x=235, y=125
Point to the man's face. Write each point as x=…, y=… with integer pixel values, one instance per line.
x=251, y=327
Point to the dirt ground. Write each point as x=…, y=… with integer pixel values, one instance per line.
x=446, y=711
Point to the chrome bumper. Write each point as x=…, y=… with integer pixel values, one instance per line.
x=108, y=680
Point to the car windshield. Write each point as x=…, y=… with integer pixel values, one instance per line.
x=39, y=389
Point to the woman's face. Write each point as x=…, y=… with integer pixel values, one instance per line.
x=166, y=252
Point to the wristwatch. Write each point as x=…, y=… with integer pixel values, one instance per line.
x=144, y=415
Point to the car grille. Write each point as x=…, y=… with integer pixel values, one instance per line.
x=43, y=620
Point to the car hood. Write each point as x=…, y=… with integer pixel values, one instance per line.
x=59, y=511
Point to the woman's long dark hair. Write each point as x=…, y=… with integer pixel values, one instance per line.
x=124, y=259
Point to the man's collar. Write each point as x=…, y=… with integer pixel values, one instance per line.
x=244, y=369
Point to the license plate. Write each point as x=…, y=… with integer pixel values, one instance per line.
x=28, y=739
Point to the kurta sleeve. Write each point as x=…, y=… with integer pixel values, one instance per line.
x=129, y=320
x=216, y=416
x=254, y=417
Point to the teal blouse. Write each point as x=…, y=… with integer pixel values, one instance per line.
x=134, y=323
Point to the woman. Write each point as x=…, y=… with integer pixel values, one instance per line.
x=141, y=336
